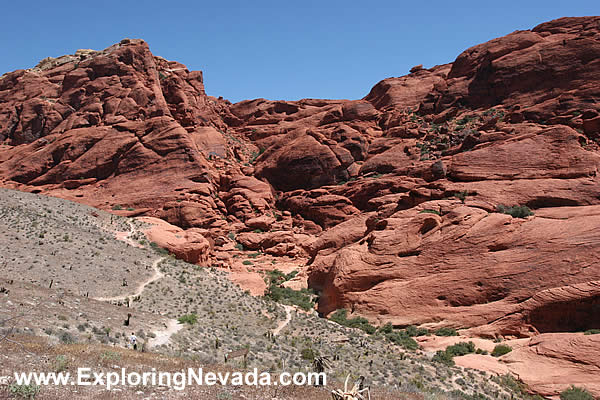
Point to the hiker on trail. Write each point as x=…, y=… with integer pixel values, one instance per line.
x=133, y=340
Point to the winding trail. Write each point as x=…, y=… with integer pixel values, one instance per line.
x=155, y=276
x=283, y=324
x=173, y=326
x=126, y=236
x=163, y=337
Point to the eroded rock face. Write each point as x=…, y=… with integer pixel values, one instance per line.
x=393, y=197
x=551, y=363
x=468, y=267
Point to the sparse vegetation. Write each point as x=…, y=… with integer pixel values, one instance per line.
x=341, y=317
x=446, y=332
x=576, y=393
x=225, y=317
x=308, y=354
x=302, y=298
x=515, y=211
x=24, y=391
x=428, y=211
x=462, y=195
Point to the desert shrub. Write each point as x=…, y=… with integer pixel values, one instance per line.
x=117, y=207
x=66, y=337
x=159, y=249
x=24, y=391
x=428, y=211
x=459, y=349
x=61, y=363
x=414, y=331
x=443, y=357
x=385, y=329
x=247, y=262
x=576, y=393
x=446, y=332
x=188, y=319
x=462, y=196
x=592, y=332
x=277, y=277
x=501, y=349
x=464, y=120
x=401, y=338
x=302, y=298
x=341, y=317
x=308, y=354
x=107, y=356
x=515, y=211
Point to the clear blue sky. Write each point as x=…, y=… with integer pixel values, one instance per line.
x=275, y=49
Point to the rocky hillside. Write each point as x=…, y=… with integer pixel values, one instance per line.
x=464, y=195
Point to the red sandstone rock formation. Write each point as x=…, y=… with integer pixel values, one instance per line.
x=392, y=196
x=189, y=245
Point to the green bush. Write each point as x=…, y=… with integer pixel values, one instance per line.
x=446, y=332
x=159, y=249
x=66, y=338
x=428, y=211
x=501, y=349
x=592, y=332
x=576, y=393
x=401, y=338
x=247, y=262
x=458, y=349
x=461, y=348
x=515, y=211
x=462, y=196
x=24, y=391
x=443, y=357
x=387, y=328
x=302, y=298
x=188, y=319
x=308, y=354
x=341, y=317
x=61, y=363
x=117, y=207
x=414, y=331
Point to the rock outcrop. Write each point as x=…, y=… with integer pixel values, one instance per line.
x=189, y=245
x=551, y=363
x=393, y=198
